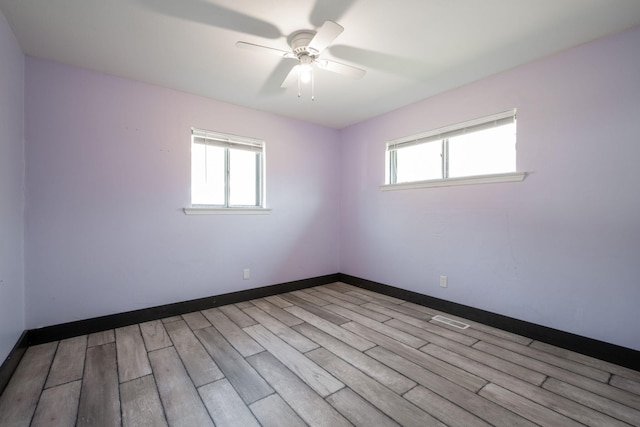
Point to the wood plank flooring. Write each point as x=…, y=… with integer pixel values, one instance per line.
x=333, y=355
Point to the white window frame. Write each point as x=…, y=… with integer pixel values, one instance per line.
x=231, y=142
x=443, y=134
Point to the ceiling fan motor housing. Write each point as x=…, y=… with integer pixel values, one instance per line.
x=299, y=42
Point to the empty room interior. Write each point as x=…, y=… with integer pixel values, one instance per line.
x=357, y=212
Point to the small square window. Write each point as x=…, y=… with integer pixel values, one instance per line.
x=226, y=171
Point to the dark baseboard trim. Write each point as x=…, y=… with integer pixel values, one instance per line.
x=97, y=324
x=599, y=349
x=616, y=354
x=11, y=362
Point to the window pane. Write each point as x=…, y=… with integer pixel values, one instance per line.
x=485, y=152
x=207, y=175
x=243, y=174
x=419, y=162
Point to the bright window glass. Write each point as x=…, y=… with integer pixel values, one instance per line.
x=419, y=162
x=484, y=152
x=207, y=175
x=243, y=178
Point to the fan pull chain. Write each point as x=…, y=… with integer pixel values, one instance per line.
x=313, y=85
x=206, y=169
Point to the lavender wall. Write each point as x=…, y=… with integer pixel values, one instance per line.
x=108, y=173
x=560, y=249
x=12, y=167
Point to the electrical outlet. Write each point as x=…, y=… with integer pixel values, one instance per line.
x=444, y=282
x=246, y=274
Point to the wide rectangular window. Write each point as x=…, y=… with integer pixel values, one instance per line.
x=226, y=170
x=485, y=146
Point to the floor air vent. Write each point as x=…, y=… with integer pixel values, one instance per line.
x=450, y=322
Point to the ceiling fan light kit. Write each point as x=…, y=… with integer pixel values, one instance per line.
x=306, y=47
x=306, y=71
x=305, y=74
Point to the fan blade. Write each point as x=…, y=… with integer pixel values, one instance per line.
x=291, y=78
x=329, y=9
x=325, y=35
x=207, y=13
x=344, y=69
x=389, y=63
x=265, y=49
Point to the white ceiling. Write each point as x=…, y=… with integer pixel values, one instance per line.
x=411, y=49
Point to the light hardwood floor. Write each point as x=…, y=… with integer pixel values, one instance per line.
x=333, y=355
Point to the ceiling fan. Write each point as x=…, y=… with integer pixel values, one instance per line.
x=306, y=47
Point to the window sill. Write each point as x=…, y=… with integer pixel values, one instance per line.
x=467, y=180
x=226, y=211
